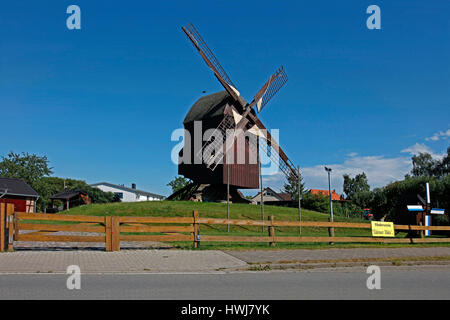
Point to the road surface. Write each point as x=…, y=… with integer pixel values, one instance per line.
x=432, y=282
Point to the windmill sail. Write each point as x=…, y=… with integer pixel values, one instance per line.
x=262, y=97
x=271, y=148
x=211, y=60
x=270, y=88
x=212, y=151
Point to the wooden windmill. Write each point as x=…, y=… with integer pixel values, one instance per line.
x=231, y=117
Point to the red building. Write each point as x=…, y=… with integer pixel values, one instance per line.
x=19, y=193
x=334, y=195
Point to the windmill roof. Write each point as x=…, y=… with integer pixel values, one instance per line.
x=210, y=106
x=67, y=194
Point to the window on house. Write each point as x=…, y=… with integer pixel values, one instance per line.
x=120, y=194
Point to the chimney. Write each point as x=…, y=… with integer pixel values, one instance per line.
x=133, y=186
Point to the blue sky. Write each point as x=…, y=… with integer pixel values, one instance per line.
x=102, y=102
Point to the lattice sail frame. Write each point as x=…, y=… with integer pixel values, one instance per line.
x=225, y=127
x=267, y=91
x=211, y=60
x=270, y=88
x=287, y=167
x=223, y=130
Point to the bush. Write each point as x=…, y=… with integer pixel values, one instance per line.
x=48, y=186
x=318, y=203
x=392, y=200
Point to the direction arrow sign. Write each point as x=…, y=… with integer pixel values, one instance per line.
x=437, y=211
x=427, y=224
x=415, y=208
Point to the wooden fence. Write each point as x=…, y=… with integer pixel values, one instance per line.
x=111, y=230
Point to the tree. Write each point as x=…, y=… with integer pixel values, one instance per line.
x=291, y=187
x=29, y=167
x=424, y=165
x=357, y=189
x=355, y=185
x=316, y=202
x=443, y=167
x=178, y=183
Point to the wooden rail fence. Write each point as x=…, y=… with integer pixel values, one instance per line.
x=111, y=230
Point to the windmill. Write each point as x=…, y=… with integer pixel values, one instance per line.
x=229, y=117
x=423, y=212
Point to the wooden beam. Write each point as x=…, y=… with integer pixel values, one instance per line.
x=10, y=220
x=115, y=232
x=2, y=226
x=45, y=238
x=108, y=233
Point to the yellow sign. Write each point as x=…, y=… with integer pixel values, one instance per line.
x=382, y=229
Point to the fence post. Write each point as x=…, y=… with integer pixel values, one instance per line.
x=115, y=226
x=331, y=231
x=2, y=227
x=108, y=233
x=196, y=228
x=10, y=217
x=16, y=227
x=271, y=231
x=421, y=231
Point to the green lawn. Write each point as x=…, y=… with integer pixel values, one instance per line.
x=205, y=209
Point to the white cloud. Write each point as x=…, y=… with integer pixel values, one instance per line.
x=439, y=135
x=417, y=148
x=379, y=170
x=421, y=148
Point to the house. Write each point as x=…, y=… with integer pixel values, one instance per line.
x=334, y=195
x=128, y=194
x=19, y=193
x=70, y=199
x=272, y=197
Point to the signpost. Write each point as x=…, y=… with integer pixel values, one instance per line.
x=425, y=211
x=382, y=229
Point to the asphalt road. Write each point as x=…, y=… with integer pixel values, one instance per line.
x=396, y=283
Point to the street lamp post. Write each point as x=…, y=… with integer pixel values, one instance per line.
x=330, y=230
x=328, y=170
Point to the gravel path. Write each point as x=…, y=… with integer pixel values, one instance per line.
x=126, y=261
x=124, y=245
x=274, y=256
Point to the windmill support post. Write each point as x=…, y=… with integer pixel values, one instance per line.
x=228, y=196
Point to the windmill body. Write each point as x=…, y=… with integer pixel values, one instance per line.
x=211, y=111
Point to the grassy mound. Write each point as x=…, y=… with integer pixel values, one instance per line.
x=205, y=209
